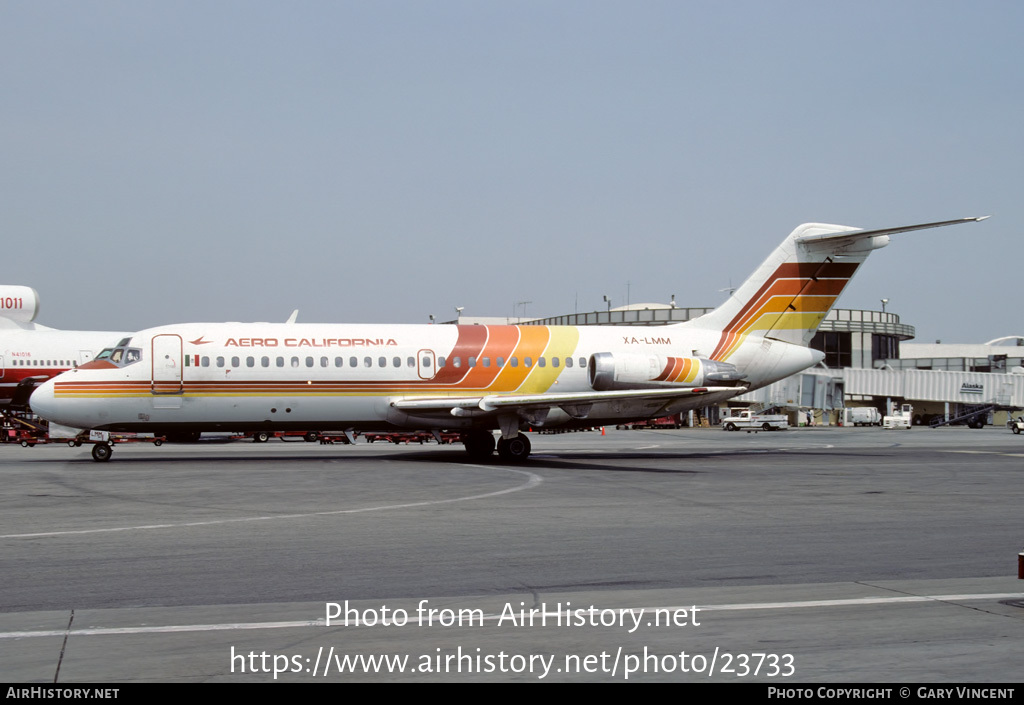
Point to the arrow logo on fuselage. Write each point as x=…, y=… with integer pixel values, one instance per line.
x=200, y=341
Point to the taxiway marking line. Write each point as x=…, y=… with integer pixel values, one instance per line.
x=532, y=481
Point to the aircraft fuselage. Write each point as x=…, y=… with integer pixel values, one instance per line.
x=253, y=376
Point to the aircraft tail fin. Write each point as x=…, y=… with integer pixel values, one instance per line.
x=793, y=290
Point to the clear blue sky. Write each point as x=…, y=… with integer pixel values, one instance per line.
x=164, y=162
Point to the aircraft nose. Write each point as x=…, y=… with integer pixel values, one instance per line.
x=43, y=402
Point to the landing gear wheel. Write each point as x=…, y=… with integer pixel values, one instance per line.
x=515, y=449
x=101, y=452
x=479, y=444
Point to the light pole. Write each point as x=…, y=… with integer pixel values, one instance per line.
x=523, y=304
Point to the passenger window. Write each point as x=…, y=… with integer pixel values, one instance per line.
x=353, y=362
x=205, y=362
x=324, y=362
x=382, y=361
x=426, y=361
x=583, y=362
x=220, y=361
x=514, y=361
x=541, y=362
x=554, y=362
x=441, y=361
x=457, y=362
x=487, y=362
x=250, y=362
x=528, y=362
x=500, y=362
x=280, y=362
x=472, y=362
x=568, y=362
x=309, y=361
x=411, y=362
x=265, y=361
x=367, y=362
x=339, y=362
x=396, y=361
x=235, y=362
x=295, y=362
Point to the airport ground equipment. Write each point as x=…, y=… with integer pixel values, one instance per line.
x=971, y=415
x=901, y=418
x=862, y=416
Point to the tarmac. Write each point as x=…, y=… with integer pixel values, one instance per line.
x=815, y=555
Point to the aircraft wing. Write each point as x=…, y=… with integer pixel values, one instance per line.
x=572, y=402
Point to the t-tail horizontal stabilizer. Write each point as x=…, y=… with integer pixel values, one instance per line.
x=793, y=290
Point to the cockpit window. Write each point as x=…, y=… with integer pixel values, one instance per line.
x=122, y=357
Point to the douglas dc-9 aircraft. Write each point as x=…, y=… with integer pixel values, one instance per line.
x=264, y=377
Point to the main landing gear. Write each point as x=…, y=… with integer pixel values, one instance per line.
x=515, y=449
x=480, y=445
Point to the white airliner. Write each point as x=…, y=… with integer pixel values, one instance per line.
x=264, y=377
x=31, y=353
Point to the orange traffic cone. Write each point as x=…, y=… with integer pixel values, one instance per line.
x=602, y=430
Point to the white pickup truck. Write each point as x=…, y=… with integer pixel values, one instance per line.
x=1016, y=424
x=755, y=422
